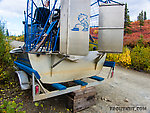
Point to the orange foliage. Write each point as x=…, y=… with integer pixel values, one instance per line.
x=137, y=33
x=94, y=32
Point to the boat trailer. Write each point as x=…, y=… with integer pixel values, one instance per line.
x=55, y=58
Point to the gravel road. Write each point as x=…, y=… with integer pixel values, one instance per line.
x=16, y=44
x=128, y=88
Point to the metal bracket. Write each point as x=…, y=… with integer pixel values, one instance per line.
x=59, y=61
x=98, y=59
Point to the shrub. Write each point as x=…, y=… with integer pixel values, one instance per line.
x=17, y=38
x=140, y=56
x=137, y=33
x=5, y=57
x=20, y=38
x=93, y=46
x=11, y=107
x=123, y=59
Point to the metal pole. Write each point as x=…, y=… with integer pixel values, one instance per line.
x=42, y=3
x=31, y=24
x=56, y=39
x=33, y=85
x=27, y=35
x=49, y=5
x=25, y=31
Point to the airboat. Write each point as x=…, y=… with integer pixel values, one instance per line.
x=56, y=44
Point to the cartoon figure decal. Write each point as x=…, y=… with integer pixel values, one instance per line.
x=83, y=21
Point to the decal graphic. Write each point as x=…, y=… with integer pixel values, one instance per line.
x=83, y=21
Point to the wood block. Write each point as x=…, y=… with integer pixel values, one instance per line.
x=81, y=99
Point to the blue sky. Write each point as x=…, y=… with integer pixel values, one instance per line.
x=11, y=11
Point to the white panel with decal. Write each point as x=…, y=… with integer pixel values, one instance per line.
x=78, y=19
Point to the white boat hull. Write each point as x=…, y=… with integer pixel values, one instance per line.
x=70, y=69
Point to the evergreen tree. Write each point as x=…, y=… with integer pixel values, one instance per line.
x=7, y=33
x=127, y=21
x=145, y=17
x=141, y=19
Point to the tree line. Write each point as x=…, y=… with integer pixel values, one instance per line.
x=141, y=17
